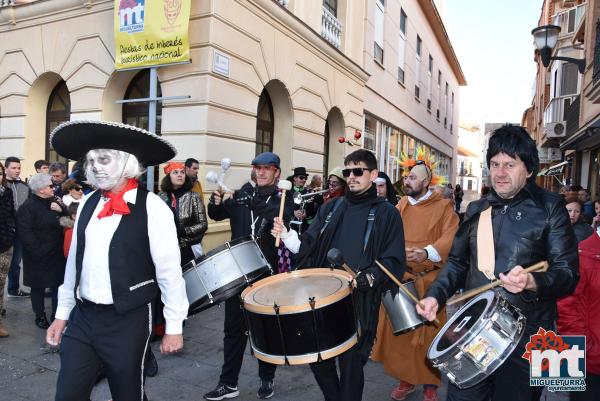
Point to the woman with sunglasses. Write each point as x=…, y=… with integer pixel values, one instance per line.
x=73, y=192
x=7, y=237
x=336, y=183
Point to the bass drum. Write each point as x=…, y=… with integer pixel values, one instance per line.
x=477, y=339
x=223, y=272
x=301, y=317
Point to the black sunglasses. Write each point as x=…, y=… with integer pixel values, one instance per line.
x=302, y=177
x=357, y=171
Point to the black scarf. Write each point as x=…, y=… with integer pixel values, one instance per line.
x=362, y=197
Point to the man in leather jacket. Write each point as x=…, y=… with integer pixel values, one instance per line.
x=251, y=211
x=529, y=225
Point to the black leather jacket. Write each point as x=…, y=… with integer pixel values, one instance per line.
x=531, y=227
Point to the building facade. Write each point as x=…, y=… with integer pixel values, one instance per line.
x=469, y=161
x=293, y=76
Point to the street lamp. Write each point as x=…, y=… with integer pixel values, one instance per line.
x=545, y=38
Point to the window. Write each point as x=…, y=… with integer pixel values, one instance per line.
x=401, y=47
x=430, y=68
x=402, y=22
x=417, y=91
x=419, y=45
x=418, y=68
x=264, y=124
x=378, y=40
x=331, y=6
x=439, y=78
x=58, y=111
x=370, y=133
x=569, y=78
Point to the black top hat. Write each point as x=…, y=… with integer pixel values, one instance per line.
x=299, y=171
x=74, y=139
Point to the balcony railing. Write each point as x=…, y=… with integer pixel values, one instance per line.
x=331, y=28
x=4, y=3
x=555, y=111
x=596, y=76
x=572, y=117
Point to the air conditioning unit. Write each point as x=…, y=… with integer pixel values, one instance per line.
x=556, y=129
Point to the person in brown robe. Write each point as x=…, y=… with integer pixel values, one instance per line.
x=430, y=224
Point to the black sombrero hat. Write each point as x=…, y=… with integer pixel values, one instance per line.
x=74, y=139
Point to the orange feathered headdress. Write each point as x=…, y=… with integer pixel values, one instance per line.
x=425, y=158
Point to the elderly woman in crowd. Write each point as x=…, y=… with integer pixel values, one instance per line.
x=72, y=190
x=188, y=210
x=42, y=237
x=7, y=236
x=582, y=229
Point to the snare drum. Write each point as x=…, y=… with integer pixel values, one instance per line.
x=477, y=339
x=223, y=273
x=401, y=310
x=301, y=317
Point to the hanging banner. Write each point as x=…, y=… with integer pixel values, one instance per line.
x=151, y=32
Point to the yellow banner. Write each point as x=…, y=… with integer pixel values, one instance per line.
x=151, y=32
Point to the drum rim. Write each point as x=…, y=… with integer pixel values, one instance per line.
x=306, y=358
x=304, y=307
x=432, y=353
x=218, y=250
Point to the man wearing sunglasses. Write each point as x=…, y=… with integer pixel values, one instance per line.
x=429, y=227
x=250, y=211
x=303, y=211
x=365, y=228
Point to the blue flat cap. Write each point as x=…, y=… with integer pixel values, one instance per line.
x=266, y=159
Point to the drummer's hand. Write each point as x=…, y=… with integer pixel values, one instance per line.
x=279, y=228
x=217, y=197
x=515, y=281
x=171, y=343
x=431, y=308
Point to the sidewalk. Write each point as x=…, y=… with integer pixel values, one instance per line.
x=28, y=369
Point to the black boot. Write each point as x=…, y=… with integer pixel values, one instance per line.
x=42, y=322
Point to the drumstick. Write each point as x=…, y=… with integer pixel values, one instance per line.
x=285, y=186
x=404, y=289
x=335, y=258
x=543, y=266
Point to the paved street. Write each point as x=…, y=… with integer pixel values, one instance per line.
x=28, y=369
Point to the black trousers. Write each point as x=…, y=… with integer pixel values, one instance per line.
x=509, y=382
x=234, y=345
x=349, y=386
x=97, y=336
x=37, y=301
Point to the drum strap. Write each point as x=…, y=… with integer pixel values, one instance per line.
x=338, y=202
x=486, y=258
x=370, y=222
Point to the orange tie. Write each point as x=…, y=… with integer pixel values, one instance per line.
x=116, y=204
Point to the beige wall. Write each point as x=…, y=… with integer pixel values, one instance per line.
x=268, y=47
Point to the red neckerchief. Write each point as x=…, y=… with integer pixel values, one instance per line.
x=116, y=204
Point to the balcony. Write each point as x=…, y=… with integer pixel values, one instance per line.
x=555, y=111
x=331, y=28
x=569, y=20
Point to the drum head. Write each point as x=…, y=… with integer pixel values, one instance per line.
x=292, y=292
x=460, y=326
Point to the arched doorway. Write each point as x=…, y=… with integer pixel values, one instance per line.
x=333, y=151
x=326, y=150
x=264, y=124
x=136, y=114
x=58, y=111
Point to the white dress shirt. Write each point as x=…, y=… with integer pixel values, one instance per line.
x=433, y=255
x=94, y=284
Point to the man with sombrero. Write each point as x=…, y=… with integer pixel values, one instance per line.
x=124, y=252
